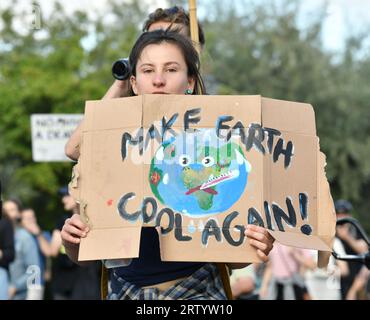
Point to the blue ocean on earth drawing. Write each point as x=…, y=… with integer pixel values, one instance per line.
x=198, y=173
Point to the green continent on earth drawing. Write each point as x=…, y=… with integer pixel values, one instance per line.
x=198, y=173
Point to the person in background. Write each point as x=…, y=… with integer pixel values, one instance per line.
x=324, y=283
x=352, y=244
x=6, y=255
x=26, y=265
x=69, y=280
x=283, y=278
x=359, y=288
x=246, y=282
x=29, y=222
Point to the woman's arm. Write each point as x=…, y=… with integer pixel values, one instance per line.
x=304, y=259
x=48, y=249
x=267, y=275
x=72, y=148
x=358, y=284
x=119, y=88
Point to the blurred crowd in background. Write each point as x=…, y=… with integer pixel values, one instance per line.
x=292, y=273
x=34, y=266
x=33, y=262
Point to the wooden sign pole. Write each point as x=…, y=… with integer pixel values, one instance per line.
x=194, y=24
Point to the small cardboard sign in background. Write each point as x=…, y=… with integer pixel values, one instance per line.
x=50, y=133
x=159, y=160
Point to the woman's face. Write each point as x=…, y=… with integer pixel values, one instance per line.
x=161, y=69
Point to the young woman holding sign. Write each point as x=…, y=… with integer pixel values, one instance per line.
x=164, y=62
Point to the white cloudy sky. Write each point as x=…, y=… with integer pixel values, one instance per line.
x=343, y=16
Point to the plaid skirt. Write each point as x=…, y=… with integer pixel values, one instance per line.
x=203, y=284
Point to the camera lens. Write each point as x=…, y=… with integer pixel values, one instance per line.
x=121, y=69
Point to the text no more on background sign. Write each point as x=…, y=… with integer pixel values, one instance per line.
x=50, y=133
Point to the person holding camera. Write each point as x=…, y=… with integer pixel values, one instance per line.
x=174, y=18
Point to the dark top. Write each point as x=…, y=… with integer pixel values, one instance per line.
x=148, y=269
x=64, y=271
x=354, y=267
x=71, y=280
x=6, y=242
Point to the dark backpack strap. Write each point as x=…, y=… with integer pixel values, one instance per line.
x=225, y=277
x=104, y=282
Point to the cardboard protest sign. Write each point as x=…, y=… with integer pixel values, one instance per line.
x=199, y=169
x=50, y=132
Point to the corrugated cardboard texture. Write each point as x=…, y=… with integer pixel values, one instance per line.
x=112, y=178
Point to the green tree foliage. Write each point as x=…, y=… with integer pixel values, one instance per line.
x=49, y=71
x=261, y=50
x=250, y=49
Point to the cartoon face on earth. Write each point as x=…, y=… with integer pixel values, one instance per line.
x=198, y=173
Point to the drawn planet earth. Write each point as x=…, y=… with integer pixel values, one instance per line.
x=198, y=173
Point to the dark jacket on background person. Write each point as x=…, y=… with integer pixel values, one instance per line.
x=354, y=268
x=6, y=243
